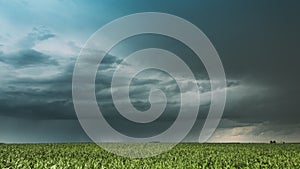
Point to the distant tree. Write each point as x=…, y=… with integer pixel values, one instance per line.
x=272, y=142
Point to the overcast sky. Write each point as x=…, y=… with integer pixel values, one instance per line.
x=258, y=43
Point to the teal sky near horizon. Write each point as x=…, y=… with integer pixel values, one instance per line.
x=257, y=43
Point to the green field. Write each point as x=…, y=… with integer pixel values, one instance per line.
x=187, y=155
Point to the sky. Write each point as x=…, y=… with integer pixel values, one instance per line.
x=257, y=41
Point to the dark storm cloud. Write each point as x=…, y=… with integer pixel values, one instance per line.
x=39, y=110
x=47, y=98
x=262, y=105
x=258, y=47
x=27, y=58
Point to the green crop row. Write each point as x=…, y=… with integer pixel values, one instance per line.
x=185, y=155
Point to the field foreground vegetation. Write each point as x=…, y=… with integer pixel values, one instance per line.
x=184, y=155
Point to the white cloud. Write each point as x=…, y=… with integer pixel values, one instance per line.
x=58, y=47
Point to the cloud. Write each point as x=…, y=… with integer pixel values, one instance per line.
x=38, y=34
x=257, y=132
x=27, y=58
x=14, y=130
x=49, y=98
x=46, y=97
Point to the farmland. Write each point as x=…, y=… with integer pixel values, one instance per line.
x=184, y=155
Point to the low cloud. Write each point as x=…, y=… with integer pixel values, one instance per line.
x=256, y=132
x=27, y=58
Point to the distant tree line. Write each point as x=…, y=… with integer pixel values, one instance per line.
x=274, y=142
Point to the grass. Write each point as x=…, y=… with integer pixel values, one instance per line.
x=184, y=155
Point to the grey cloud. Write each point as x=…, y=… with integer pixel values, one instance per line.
x=39, y=98
x=251, y=100
x=111, y=59
x=40, y=110
x=27, y=58
x=232, y=83
x=43, y=98
x=258, y=104
x=15, y=130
